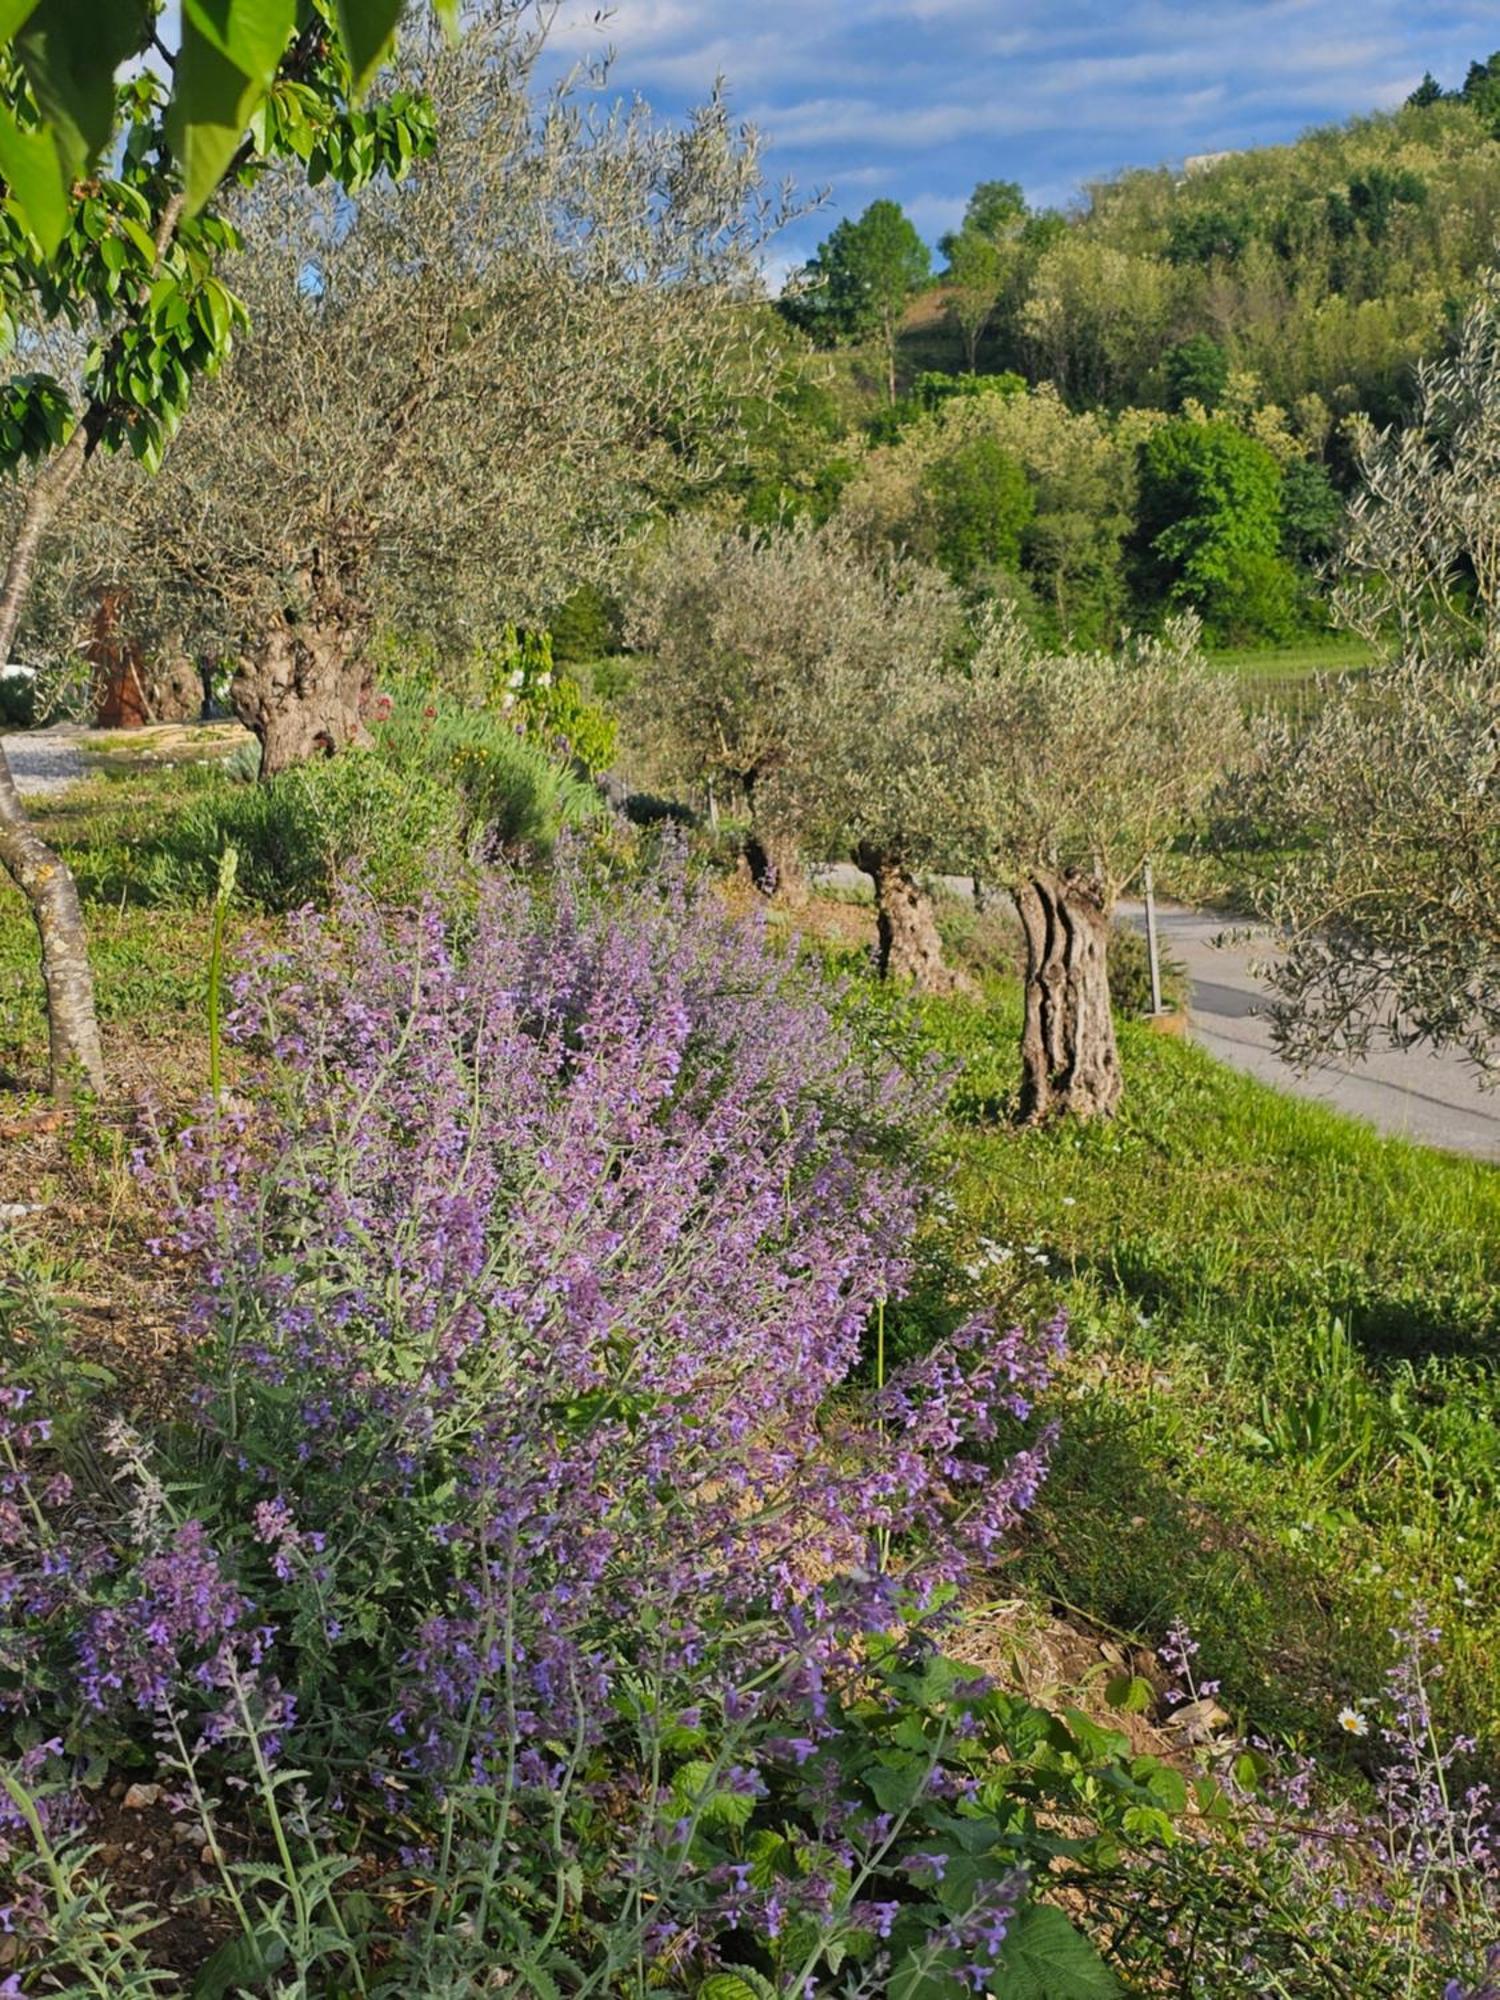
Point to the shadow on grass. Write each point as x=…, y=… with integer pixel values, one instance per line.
x=1112, y=1538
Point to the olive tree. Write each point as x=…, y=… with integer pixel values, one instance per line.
x=1086, y=764
x=811, y=676
x=453, y=401
x=110, y=285
x=1392, y=800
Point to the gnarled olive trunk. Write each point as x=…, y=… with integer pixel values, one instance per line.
x=304, y=690
x=909, y=947
x=775, y=864
x=772, y=854
x=1069, y=1061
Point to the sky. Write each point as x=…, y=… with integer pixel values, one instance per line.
x=916, y=100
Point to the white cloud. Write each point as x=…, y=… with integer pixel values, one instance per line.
x=918, y=99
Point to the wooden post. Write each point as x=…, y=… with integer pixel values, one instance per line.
x=1151, y=947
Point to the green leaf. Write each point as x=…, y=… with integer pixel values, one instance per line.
x=694, y=1789
x=13, y=13
x=367, y=28
x=213, y=100
x=38, y=185
x=744, y=1983
x=244, y=1961
x=250, y=34
x=70, y=50
x=1044, y=1957
x=1130, y=1693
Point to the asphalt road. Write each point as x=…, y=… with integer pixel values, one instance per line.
x=1412, y=1092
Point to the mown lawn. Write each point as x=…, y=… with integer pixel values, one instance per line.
x=1282, y=1422
x=1323, y=653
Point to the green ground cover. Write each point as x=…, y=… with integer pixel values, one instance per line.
x=1282, y=1419
x=1283, y=1410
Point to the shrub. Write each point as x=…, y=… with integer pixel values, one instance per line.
x=515, y=792
x=547, y=706
x=1130, y=973
x=18, y=699
x=529, y=1511
x=297, y=833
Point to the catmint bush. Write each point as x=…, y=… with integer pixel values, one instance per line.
x=1301, y=1884
x=529, y=1512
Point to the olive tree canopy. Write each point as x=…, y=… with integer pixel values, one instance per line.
x=454, y=399
x=1392, y=802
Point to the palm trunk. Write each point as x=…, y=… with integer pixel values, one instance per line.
x=909, y=947
x=40, y=875
x=1069, y=1061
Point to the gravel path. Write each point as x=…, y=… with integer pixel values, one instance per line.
x=44, y=760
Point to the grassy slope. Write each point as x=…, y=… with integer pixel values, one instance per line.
x=1281, y=1424
x=1283, y=1407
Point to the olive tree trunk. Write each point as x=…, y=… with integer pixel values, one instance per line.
x=908, y=945
x=42, y=876
x=304, y=690
x=1069, y=1061
x=775, y=864
x=772, y=854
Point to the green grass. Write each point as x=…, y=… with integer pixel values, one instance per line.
x=1324, y=653
x=1283, y=1410
x=1280, y=1423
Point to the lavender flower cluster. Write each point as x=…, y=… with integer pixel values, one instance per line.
x=538, y=1262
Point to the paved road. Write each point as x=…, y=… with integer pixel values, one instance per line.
x=1412, y=1093
x=1434, y=1098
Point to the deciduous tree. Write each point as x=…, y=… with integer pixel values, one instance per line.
x=118, y=270
x=859, y=282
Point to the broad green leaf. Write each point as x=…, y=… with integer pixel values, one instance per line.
x=13, y=14
x=38, y=186
x=212, y=104
x=70, y=50
x=251, y=34
x=367, y=28
x=1044, y=1957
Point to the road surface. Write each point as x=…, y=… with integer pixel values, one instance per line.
x=44, y=760
x=1412, y=1092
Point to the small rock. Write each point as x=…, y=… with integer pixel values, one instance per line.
x=206, y=1856
x=1198, y=1721
x=141, y=1796
x=185, y=1832
x=110, y=1853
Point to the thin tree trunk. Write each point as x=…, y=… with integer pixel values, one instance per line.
x=1069, y=1061
x=40, y=875
x=909, y=947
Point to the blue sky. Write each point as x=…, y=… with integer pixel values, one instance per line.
x=919, y=99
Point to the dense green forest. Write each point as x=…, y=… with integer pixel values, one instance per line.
x=1153, y=401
